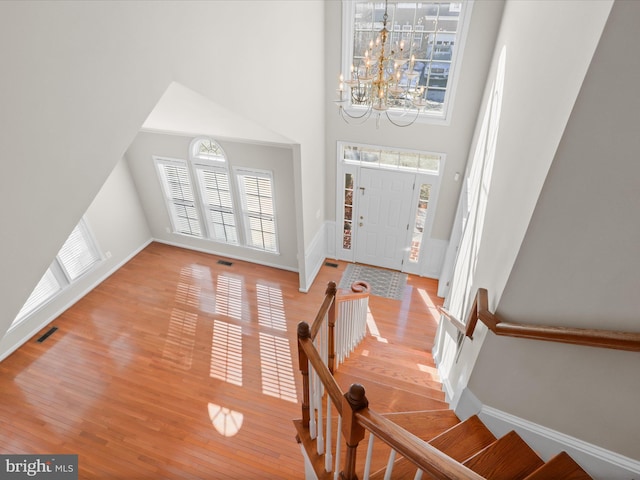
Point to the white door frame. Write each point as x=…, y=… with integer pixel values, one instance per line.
x=344, y=244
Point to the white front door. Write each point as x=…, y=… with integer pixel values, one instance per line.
x=384, y=201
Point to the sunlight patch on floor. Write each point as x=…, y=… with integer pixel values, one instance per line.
x=229, y=297
x=373, y=328
x=270, y=307
x=181, y=338
x=431, y=371
x=226, y=353
x=428, y=302
x=277, y=368
x=227, y=422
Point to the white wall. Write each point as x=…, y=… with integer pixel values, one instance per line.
x=534, y=112
x=118, y=225
x=278, y=160
x=81, y=77
x=578, y=265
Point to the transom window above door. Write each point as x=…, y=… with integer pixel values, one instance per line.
x=378, y=157
x=426, y=39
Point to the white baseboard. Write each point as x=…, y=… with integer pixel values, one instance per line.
x=225, y=255
x=598, y=462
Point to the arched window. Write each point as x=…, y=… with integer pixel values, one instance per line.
x=211, y=171
x=207, y=149
x=202, y=195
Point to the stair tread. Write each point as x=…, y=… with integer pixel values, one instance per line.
x=388, y=376
x=398, y=353
x=418, y=365
x=462, y=441
x=384, y=398
x=490, y=462
x=560, y=466
x=425, y=424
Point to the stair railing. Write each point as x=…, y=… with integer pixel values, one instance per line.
x=578, y=336
x=322, y=394
x=338, y=328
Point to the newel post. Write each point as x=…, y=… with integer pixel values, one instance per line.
x=331, y=364
x=352, y=401
x=304, y=332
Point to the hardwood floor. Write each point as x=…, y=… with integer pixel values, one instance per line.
x=178, y=367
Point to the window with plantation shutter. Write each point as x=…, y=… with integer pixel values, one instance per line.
x=46, y=288
x=256, y=192
x=218, y=203
x=178, y=191
x=78, y=254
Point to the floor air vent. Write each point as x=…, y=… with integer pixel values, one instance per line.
x=330, y=264
x=46, y=335
x=224, y=262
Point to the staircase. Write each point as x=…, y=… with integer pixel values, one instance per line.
x=468, y=442
x=402, y=428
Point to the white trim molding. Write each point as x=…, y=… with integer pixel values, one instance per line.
x=314, y=258
x=435, y=250
x=598, y=462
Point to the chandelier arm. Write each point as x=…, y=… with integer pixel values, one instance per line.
x=364, y=117
x=403, y=124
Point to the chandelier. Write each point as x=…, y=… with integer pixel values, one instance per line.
x=381, y=81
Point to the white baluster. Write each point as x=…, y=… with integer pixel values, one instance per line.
x=367, y=462
x=338, y=449
x=328, y=459
x=312, y=397
x=321, y=347
x=389, y=471
x=320, y=439
x=418, y=475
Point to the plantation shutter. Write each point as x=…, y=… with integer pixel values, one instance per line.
x=179, y=195
x=217, y=199
x=78, y=254
x=46, y=288
x=258, y=210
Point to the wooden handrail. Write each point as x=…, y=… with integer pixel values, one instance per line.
x=461, y=327
x=327, y=303
x=357, y=290
x=420, y=453
x=577, y=336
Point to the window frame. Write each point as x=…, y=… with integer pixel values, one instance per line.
x=59, y=273
x=426, y=117
x=172, y=203
x=196, y=167
x=201, y=164
x=200, y=169
x=247, y=215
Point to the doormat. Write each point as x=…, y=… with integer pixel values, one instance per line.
x=383, y=283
